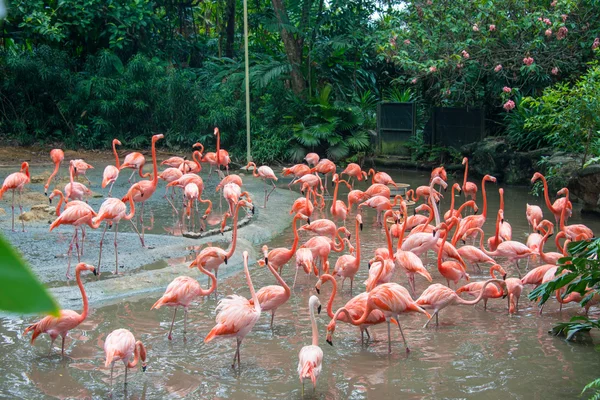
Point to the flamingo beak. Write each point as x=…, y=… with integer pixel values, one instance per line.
x=369, y=265
x=330, y=342
x=459, y=191
x=252, y=210
x=144, y=366
x=50, y=201
x=302, y=192
x=95, y=272
x=502, y=221
x=318, y=291
x=225, y=260
x=360, y=226
x=319, y=309
x=266, y=260
x=504, y=277
x=308, y=221
x=433, y=232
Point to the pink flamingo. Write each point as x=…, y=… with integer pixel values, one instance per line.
x=67, y=320
x=347, y=265
x=391, y=299
x=439, y=172
x=378, y=189
x=450, y=212
x=173, y=162
x=304, y=260
x=325, y=167
x=191, y=195
x=492, y=292
x=321, y=227
x=192, y=166
x=536, y=275
x=420, y=243
x=135, y=161
x=57, y=156
x=280, y=256
x=505, y=231
x=303, y=204
x=410, y=262
x=473, y=221
x=382, y=178
x=475, y=255
x=451, y=270
x=550, y=257
x=438, y=297
x=182, y=291
x=113, y=211
x=264, y=173
x=312, y=159
x=355, y=197
x=338, y=207
x=111, y=172
x=298, y=170
x=515, y=288
x=169, y=175
x=468, y=188
x=120, y=344
x=574, y=231
x=222, y=156
x=273, y=296
x=558, y=205
x=353, y=170
x=321, y=246
x=534, y=216
x=233, y=178
x=381, y=204
x=310, y=358
x=143, y=190
x=236, y=316
x=16, y=181
x=75, y=190
x=81, y=168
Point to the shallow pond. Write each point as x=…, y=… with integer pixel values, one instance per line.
x=472, y=354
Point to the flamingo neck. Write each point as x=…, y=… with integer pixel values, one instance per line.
x=52, y=175
x=462, y=301
x=502, y=200
x=292, y=251
x=254, y=171
x=436, y=213
x=197, y=158
x=484, y=213
x=466, y=172
x=218, y=147
x=335, y=193
x=315, y=331
x=288, y=292
x=131, y=208
x=462, y=207
x=251, y=286
x=338, y=247
x=357, y=243
x=441, y=250
x=61, y=199
x=497, y=227
x=117, y=163
x=388, y=237
x=563, y=212
x=452, y=200
x=84, y=314
x=235, y=228
x=139, y=347
x=546, y=196
x=154, y=165
x=213, y=284
x=401, y=236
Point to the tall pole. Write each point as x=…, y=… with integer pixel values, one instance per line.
x=247, y=67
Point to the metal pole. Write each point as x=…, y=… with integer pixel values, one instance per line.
x=247, y=67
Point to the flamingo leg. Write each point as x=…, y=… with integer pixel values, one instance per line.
x=82, y=239
x=100, y=252
x=21, y=209
x=116, y=249
x=110, y=189
x=389, y=337
x=368, y=335
x=351, y=282
x=295, y=276
x=402, y=333
x=69, y=252
x=272, y=318
x=237, y=351
x=268, y=195
x=87, y=179
x=131, y=176
x=126, y=374
x=136, y=230
x=170, y=336
x=185, y=314
x=216, y=287
x=62, y=351
x=112, y=367
x=518, y=269
x=13, y=211
x=142, y=222
x=51, y=345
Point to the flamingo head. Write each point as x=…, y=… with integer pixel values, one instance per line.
x=465, y=160
x=489, y=178
x=265, y=250
x=86, y=267
x=360, y=223
x=216, y=131
x=116, y=142
x=330, y=331
x=156, y=138
x=536, y=176
x=456, y=187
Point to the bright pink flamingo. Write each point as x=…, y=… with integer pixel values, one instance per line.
x=338, y=207
x=67, y=320
x=75, y=190
x=112, y=211
x=169, y=175
x=264, y=172
x=536, y=275
x=280, y=256
x=298, y=170
x=232, y=193
x=304, y=260
x=272, y=297
x=321, y=227
x=207, y=258
x=515, y=288
x=210, y=158
x=81, y=168
x=182, y=291
x=347, y=265
x=550, y=257
x=410, y=262
x=450, y=212
x=303, y=204
x=475, y=255
x=491, y=292
x=143, y=190
x=188, y=178
x=438, y=297
x=391, y=299
x=310, y=180
x=222, y=156
x=505, y=231
x=534, y=216
x=381, y=177
x=312, y=159
x=325, y=167
x=236, y=316
x=310, y=357
x=173, y=162
x=378, y=189
x=191, y=195
x=381, y=204
x=473, y=221
x=451, y=270
x=57, y=156
x=321, y=247
x=192, y=166
x=356, y=197
x=353, y=170
x=120, y=344
x=468, y=188
x=233, y=178
x=76, y=215
x=574, y=231
x=111, y=172
x=16, y=181
x=135, y=161
x=558, y=205
x=439, y=172
x=420, y=243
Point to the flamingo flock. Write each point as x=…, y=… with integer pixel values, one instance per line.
x=456, y=239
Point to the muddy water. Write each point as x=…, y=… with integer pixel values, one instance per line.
x=472, y=354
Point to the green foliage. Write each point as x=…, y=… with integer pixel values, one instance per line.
x=595, y=384
x=555, y=179
x=20, y=291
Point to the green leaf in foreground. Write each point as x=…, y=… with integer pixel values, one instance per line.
x=20, y=291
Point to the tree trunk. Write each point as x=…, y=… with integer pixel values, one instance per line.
x=293, y=48
x=230, y=29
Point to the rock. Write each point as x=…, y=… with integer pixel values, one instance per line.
x=38, y=212
x=585, y=184
x=2, y=211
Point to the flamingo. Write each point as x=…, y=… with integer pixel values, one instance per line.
x=236, y=316
x=534, y=216
x=298, y=170
x=75, y=190
x=515, y=288
x=310, y=358
x=303, y=204
x=382, y=178
x=169, y=175
x=353, y=170
x=182, y=291
x=536, y=275
x=558, y=205
x=451, y=270
x=312, y=159
x=113, y=211
x=550, y=257
x=468, y=188
x=450, y=212
x=264, y=173
x=321, y=246
x=473, y=254
x=304, y=260
x=505, y=230
x=492, y=292
x=381, y=204
x=439, y=172
x=111, y=172
x=347, y=265
x=143, y=190
x=355, y=197
x=233, y=178
x=16, y=181
x=438, y=297
x=325, y=167
x=321, y=227
x=338, y=207
x=120, y=344
x=273, y=296
x=410, y=262
x=222, y=156
x=57, y=156
x=192, y=166
x=575, y=231
x=473, y=221
x=81, y=168
x=191, y=195
x=67, y=320
x=136, y=161
x=378, y=189
x=76, y=215
x=173, y=162
x=280, y=256
x=232, y=193
x=391, y=299
x=206, y=257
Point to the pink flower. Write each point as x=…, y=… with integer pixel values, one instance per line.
x=506, y=89
x=528, y=61
x=553, y=4
x=562, y=33
x=564, y=17
x=432, y=68
x=498, y=68
x=406, y=41
x=459, y=65
x=548, y=32
x=393, y=40
x=465, y=54
x=555, y=71
x=596, y=44
x=413, y=80
x=447, y=92
x=539, y=18
x=429, y=2
x=492, y=28
x=509, y=105
x=547, y=21
x=475, y=28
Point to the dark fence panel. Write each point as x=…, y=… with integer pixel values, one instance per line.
x=395, y=125
x=455, y=126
